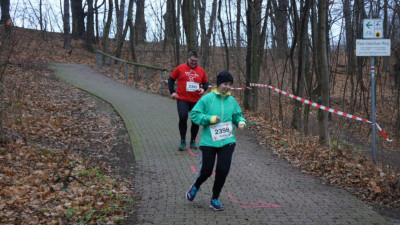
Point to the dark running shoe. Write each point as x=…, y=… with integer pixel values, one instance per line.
x=193, y=145
x=216, y=205
x=182, y=146
x=192, y=193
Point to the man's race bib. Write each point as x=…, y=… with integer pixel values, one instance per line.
x=192, y=86
x=221, y=131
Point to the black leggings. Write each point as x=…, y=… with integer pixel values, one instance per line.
x=207, y=160
x=183, y=111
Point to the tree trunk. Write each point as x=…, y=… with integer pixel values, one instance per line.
x=223, y=35
x=206, y=34
x=189, y=23
x=255, y=51
x=121, y=33
x=351, y=65
x=323, y=80
x=107, y=27
x=67, y=34
x=140, y=23
x=121, y=43
x=297, y=120
x=5, y=11
x=129, y=22
x=78, y=19
x=89, y=37
x=177, y=32
x=281, y=17
x=169, y=22
x=360, y=15
x=40, y=15
x=238, y=39
x=96, y=12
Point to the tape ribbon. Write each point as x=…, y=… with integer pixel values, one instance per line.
x=321, y=107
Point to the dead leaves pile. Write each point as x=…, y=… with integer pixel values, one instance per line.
x=339, y=165
x=52, y=169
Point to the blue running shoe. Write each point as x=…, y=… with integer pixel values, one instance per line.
x=193, y=145
x=182, y=146
x=192, y=193
x=216, y=205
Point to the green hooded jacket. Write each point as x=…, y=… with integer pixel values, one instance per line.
x=216, y=104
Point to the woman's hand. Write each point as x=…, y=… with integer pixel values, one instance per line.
x=214, y=119
x=242, y=125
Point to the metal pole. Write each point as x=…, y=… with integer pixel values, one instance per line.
x=147, y=78
x=105, y=64
x=118, y=70
x=373, y=108
x=162, y=83
x=136, y=76
x=126, y=73
x=111, y=69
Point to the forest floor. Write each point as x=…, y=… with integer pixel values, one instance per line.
x=50, y=175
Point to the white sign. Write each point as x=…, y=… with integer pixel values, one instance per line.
x=373, y=47
x=372, y=28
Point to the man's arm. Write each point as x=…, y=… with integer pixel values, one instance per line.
x=205, y=86
x=171, y=83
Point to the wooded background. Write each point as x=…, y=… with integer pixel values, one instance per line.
x=304, y=47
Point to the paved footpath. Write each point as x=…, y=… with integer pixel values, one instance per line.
x=260, y=189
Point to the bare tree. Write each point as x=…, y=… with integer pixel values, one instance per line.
x=238, y=9
x=129, y=22
x=206, y=34
x=221, y=23
x=255, y=51
x=323, y=79
x=67, y=34
x=122, y=38
x=89, y=37
x=120, y=12
x=40, y=15
x=302, y=69
x=8, y=41
x=107, y=27
x=169, y=22
x=78, y=19
x=5, y=11
x=189, y=23
x=140, y=22
x=96, y=12
x=280, y=22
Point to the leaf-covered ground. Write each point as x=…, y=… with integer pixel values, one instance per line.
x=59, y=148
x=338, y=165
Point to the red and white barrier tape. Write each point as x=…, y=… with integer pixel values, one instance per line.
x=321, y=107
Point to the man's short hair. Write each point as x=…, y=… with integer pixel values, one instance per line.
x=193, y=53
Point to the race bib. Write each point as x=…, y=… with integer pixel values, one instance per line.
x=221, y=131
x=192, y=86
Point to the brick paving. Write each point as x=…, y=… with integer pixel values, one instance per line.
x=260, y=189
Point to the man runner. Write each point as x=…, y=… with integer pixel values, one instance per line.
x=192, y=83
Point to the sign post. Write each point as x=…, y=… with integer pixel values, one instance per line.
x=373, y=45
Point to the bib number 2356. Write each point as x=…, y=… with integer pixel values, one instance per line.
x=221, y=131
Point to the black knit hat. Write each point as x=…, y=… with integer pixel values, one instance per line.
x=224, y=76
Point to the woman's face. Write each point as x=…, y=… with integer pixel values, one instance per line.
x=223, y=88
